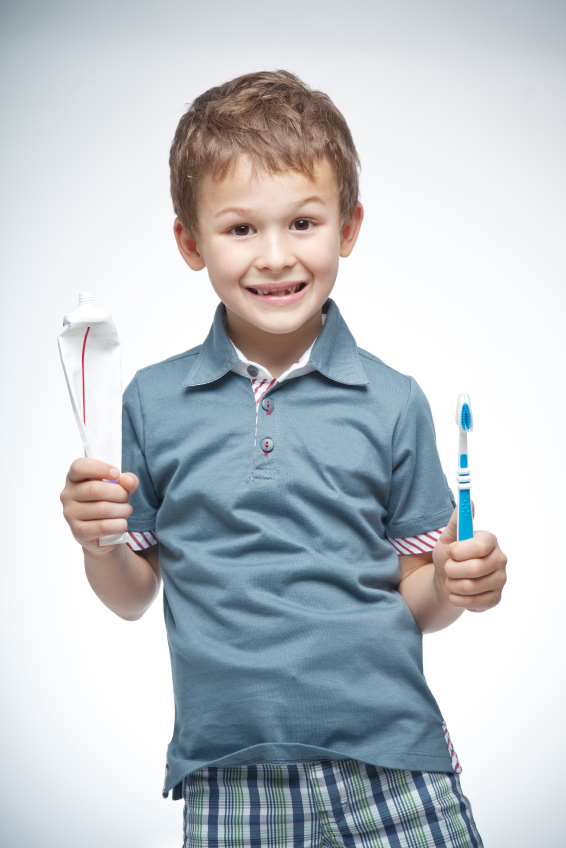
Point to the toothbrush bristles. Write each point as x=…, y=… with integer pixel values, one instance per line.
x=464, y=415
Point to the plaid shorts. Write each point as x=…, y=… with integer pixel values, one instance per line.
x=325, y=804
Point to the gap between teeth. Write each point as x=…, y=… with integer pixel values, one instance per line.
x=279, y=292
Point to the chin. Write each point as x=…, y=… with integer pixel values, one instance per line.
x=284, y=323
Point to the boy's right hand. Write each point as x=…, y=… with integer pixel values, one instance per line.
x=94, y=508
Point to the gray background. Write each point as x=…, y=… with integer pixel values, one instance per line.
x=457, y=109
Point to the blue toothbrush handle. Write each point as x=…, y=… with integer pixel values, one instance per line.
x=465, y=523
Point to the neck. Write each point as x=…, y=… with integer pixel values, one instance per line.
x=275, y=351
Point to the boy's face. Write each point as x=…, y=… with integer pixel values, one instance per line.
x=271, y=244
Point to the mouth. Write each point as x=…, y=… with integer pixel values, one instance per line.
x=284, y=293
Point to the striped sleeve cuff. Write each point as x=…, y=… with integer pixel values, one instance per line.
x=417, y=544
x=141, y=541
x=407, y=545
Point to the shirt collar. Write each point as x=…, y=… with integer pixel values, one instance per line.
x=296, y=370
x=334, y=352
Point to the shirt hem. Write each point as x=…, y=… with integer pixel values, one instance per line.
x=423, y=761
x=141, y=524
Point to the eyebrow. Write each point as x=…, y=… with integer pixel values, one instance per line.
x=314, y=199
x=238, y=210
x=235, y=209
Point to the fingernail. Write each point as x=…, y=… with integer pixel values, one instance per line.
x=114, y=473
x=448, y=550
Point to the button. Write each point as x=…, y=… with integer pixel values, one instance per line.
x=266, y=445
x=252, y=371
x=267, y=404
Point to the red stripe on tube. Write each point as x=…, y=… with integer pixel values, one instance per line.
x=83, y=365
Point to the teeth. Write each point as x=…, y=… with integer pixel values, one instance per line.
x=279, y=292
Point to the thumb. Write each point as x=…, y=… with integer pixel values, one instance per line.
x=450, y=532
x=129, y=481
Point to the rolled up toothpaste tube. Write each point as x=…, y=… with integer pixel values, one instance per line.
x=90, y=355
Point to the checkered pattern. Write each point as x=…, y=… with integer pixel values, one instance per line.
x=326, y=804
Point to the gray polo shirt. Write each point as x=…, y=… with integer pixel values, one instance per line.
x=288, y=639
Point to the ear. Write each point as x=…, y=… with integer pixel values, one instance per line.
x=350, y=231
x=188, y=248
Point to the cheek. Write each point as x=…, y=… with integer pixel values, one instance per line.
x=228, y=263
x=323, y=256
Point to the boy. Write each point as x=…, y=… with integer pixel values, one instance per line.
x=287, y=484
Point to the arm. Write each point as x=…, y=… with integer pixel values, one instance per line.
x=420, y=590
x=438, y=586
x=126, y=582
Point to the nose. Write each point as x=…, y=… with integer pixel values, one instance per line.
x=275, y=253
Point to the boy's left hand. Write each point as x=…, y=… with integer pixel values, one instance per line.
x=469, y=574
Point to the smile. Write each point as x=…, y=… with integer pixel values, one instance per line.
x=282, y=292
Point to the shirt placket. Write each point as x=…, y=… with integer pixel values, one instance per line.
x=264, y=443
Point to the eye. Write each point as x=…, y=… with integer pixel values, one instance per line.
x=242, y=230
x=302, y=224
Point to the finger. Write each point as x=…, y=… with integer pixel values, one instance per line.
x=473, y=568
x=100, y=511
x=478, y=603
x=89, y=531
x=86, y=468
x=493, y=582
x=99, y=490
x=482, y=544
x=129, y=481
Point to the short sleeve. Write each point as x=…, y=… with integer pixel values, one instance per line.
x=420, y=499
x=144, y=500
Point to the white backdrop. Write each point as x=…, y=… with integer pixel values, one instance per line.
x=458, y=278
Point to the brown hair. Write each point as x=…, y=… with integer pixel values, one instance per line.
x=273, y=118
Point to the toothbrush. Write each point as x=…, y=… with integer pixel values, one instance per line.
x=465, y=422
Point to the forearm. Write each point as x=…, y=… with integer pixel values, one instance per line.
x=123, y=580
x=428, y=604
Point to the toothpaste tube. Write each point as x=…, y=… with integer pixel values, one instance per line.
x=90, y=355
